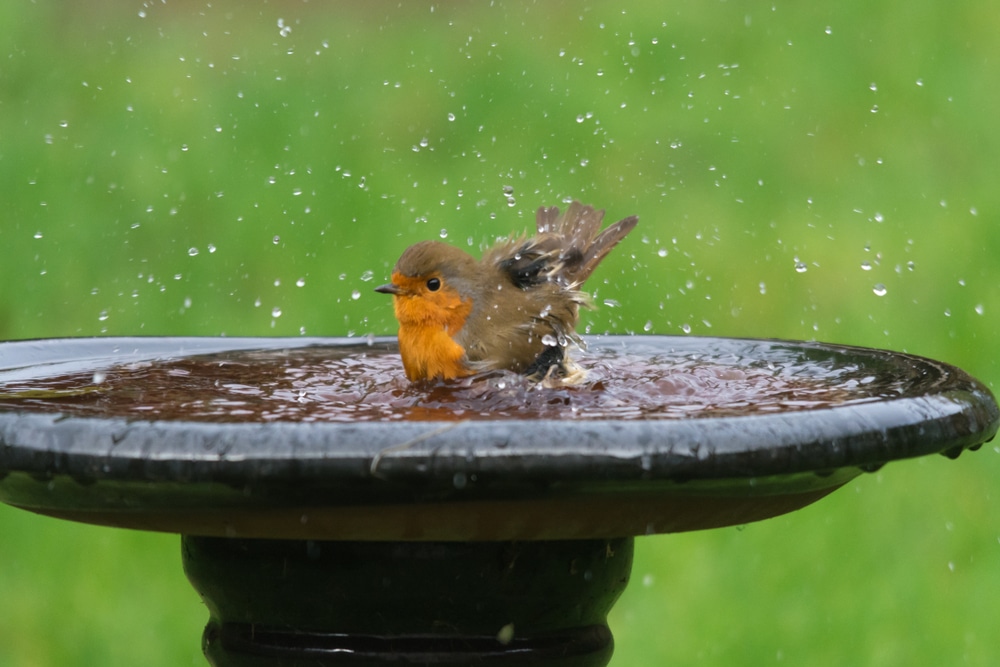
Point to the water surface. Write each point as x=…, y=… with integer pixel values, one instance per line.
x=365, y=382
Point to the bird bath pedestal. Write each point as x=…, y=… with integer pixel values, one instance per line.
x=333, y=517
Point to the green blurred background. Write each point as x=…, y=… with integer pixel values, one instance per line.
x=255, y=168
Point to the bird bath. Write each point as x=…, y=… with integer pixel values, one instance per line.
x=333, y=514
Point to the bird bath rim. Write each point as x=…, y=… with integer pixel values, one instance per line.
x=509, y=479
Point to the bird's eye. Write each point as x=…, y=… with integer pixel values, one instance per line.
x=433, y=284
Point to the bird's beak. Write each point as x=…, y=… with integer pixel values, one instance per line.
x=389, y=288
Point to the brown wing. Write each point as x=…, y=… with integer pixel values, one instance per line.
x=531, y=294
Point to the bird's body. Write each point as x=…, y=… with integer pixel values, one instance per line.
x=515, y=309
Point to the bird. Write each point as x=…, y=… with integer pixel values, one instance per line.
x=515, y=309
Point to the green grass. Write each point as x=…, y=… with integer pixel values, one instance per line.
x=747, y=137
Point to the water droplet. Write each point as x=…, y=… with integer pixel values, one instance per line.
x=301, y=282
x=508, y=190
x=662, y=252
x=648, y=326
x=979, y=309
x=580, y=118
x=828, y=30
x=879, y=289
x=866, y=266
x=459, y=480
x=367, y=275
x=800, y=267
x=762, y=287
x=38, y=235
x=192, y=251
x=211, y=248
x=872, y=86
x=506, y=634
x=102, y=316
x=276, y=312
x=443, y=233
x=611, y=303
x=879, y=217
x=276, y=240
x=451, y=118
x=910, y=265
x=686, y=328
x=355, y=295
x=550, y=340
x=99, y=377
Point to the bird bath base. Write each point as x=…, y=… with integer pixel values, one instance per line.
x=333, y=514
x=289, y=602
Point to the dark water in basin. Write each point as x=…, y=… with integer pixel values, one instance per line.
x=366, y=383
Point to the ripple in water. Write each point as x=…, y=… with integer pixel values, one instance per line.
x=366, y=383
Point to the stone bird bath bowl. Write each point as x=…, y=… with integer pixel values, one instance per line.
x=333, y=514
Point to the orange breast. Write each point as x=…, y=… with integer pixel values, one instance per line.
x=429, y=352
x=427, y=322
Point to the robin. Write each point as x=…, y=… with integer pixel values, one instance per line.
x=514, y=309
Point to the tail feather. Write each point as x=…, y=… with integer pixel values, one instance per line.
x=578, y=225
x=602, y=245
x=580, y=247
